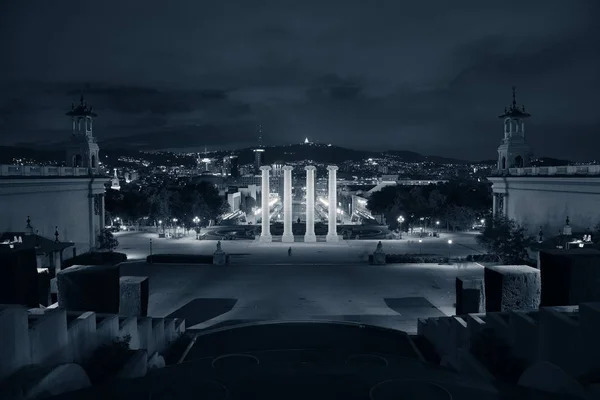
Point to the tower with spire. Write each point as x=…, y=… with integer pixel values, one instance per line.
x=259, y=152
x=82, y=150
x=514, y=152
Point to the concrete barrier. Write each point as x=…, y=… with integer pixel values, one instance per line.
x=523, y=336
x=470, y=296
x=15, y=352
x=475, y=324
x=89, y=288
x=589, y=325
x=107, y=328
x=512, y=287
x=135, y=367
x=82, y=336
x=559, y=341
x=134, y=295
x=48, y=338
x=128, y=326
x=158, y=334
x=170, y=333
x=145, y=334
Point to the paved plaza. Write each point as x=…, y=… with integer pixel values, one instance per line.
x=319, y=281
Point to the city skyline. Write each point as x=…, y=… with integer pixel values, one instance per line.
x=392, y=77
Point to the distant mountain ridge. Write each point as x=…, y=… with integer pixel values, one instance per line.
x=296, y=152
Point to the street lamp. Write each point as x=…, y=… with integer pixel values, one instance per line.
x=196, y=221
x=160, y=225
x=449, y=244
x=420, y=241
x=174, y=226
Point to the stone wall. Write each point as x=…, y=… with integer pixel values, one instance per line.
x=51, y=202
x=546, y=201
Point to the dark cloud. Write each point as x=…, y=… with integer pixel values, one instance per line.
x=427, y=76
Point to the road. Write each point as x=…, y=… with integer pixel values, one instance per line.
x=318, y=281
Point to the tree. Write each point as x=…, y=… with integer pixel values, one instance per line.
x=505, y=239
x=106, y=241
x=247, y=204
x=459, y=216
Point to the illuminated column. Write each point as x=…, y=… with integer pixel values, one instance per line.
x=288, y=235
x=309, y=236
x=332, y=231
x=265, y=235
x=494, y=204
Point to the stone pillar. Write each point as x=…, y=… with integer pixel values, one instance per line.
x=288, y=235
x=494, y=204
x=102, y=212
x=332, y=200
x=505, y=205
x=265, y=235
x=309, y=236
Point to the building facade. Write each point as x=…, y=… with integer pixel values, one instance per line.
x=68, y=199
x=541, y=198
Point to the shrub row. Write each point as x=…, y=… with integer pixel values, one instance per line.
x=482, y=258
x=412, y=259
x=179, y=259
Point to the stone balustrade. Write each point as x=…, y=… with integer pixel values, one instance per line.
x=563, y=336
x=556, y=171
x=52, y=337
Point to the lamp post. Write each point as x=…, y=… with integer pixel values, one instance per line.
x=150, y=251
x=449, y=244
x=160, y=225
x=420, y=246
x=400, y=221
x=174, y=226
x=196, y=221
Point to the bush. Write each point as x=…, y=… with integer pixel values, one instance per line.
x=106, y=240
x=179, y=259
x=95, y=258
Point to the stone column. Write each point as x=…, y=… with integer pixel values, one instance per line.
x=265, y=235
x=332, y=200
x=505, y=205
x=494, y=204
x=288, y=235
x=102, y=212
x=309, y=236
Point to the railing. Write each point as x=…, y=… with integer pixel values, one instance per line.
x=37, y=170
x=565, y=170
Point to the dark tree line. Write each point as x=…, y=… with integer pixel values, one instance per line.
x=165, y=203
x=456, y=204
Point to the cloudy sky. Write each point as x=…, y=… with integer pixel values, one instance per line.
x=429, y=76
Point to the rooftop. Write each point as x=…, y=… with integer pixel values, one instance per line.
x=82, y=109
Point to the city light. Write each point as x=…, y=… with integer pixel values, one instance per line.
x=449, y=241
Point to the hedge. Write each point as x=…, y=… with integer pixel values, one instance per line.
x=413, y=259
x=179, y=259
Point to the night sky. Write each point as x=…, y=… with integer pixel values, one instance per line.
x=427, y=76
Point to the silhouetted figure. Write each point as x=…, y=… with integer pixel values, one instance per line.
x=298, y=219
x=289, y=251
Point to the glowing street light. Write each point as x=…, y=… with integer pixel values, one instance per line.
x=449, y=244
x=420, y=241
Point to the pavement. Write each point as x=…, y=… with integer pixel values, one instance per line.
x=319, y=281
